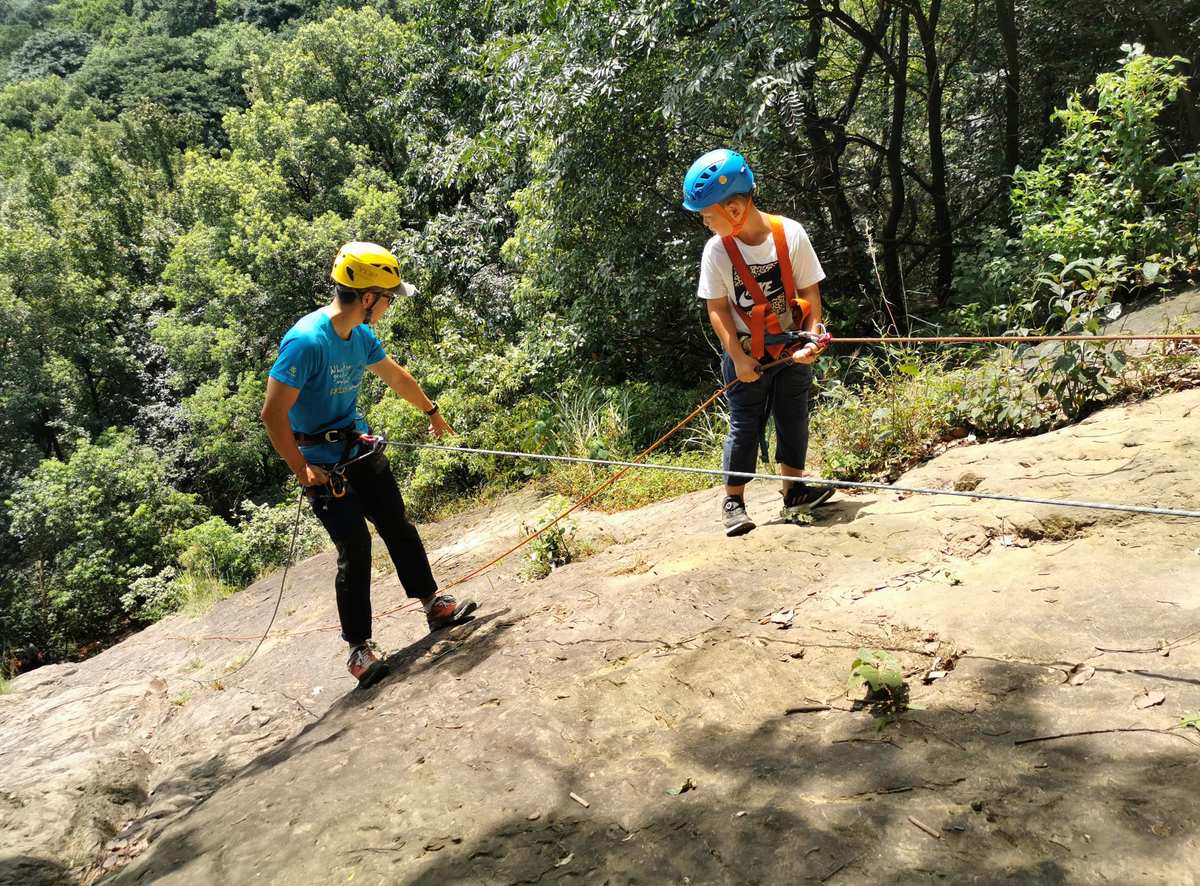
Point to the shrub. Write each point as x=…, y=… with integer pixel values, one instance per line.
x=1106, y=213
x=266, y=533
x=998, y=399
x=548, y=551
x=892, y=420
x=1106, y=189
x=217, y=558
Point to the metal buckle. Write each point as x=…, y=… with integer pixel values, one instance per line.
x=332, y=436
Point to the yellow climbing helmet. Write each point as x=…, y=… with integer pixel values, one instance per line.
x=367, y=266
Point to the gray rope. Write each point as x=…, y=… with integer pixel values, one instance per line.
x=282, y=584
x=816, y=481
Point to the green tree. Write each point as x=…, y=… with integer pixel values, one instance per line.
x=84, y=527
x=94, y=16
x=197, y=75
x=49, y=52
x=227, y=443
x=270, y=15
x=1109, y=187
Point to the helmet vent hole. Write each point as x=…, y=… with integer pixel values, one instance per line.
x=350, y=272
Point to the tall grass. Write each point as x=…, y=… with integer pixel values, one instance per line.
x=595, y=422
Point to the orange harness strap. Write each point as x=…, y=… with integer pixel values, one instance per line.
x=762, y=319
x=785, y=258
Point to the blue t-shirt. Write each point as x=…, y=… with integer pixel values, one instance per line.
x=328, y=370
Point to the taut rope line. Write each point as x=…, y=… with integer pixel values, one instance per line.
x=817, y=481
x=638, y=462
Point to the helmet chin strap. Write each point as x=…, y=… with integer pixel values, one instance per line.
x=370, y=310
x=735, y=225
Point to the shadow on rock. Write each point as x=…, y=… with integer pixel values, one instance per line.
x=837, y=512
x=28, y=870
x=459, y=650
x=938, y=794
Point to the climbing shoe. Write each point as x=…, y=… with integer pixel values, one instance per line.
x=445, y=611
x=365, y=666
x=733, y=513
x=800, y=500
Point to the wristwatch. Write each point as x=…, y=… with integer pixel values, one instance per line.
x=432, y=410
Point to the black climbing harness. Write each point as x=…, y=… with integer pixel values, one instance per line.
x=371, y=444
x=350, y=437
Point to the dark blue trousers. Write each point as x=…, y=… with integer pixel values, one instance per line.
x=781, y=392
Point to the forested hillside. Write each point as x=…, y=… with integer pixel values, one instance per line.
x=177, y=176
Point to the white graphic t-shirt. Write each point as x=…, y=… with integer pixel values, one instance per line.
x=717, y=279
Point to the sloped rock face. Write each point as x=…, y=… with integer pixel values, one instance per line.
x=623, y=678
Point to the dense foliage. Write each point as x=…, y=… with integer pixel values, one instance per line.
x=175, y=176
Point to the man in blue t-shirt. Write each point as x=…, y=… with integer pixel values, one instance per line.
x=311, y=415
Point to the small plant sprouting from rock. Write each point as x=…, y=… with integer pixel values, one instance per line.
x=881, y=674
x=549, y=551
x=877, y=670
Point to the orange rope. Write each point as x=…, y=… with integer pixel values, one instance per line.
x=474, y=573
x=599, y=488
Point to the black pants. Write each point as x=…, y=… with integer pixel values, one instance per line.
x=371, y=494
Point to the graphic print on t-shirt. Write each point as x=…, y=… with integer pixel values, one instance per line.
x=344, y=378
x=770, y=280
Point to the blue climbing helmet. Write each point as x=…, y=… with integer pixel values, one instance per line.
x=716, y=176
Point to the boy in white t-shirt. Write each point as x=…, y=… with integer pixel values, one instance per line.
x=759, y=279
